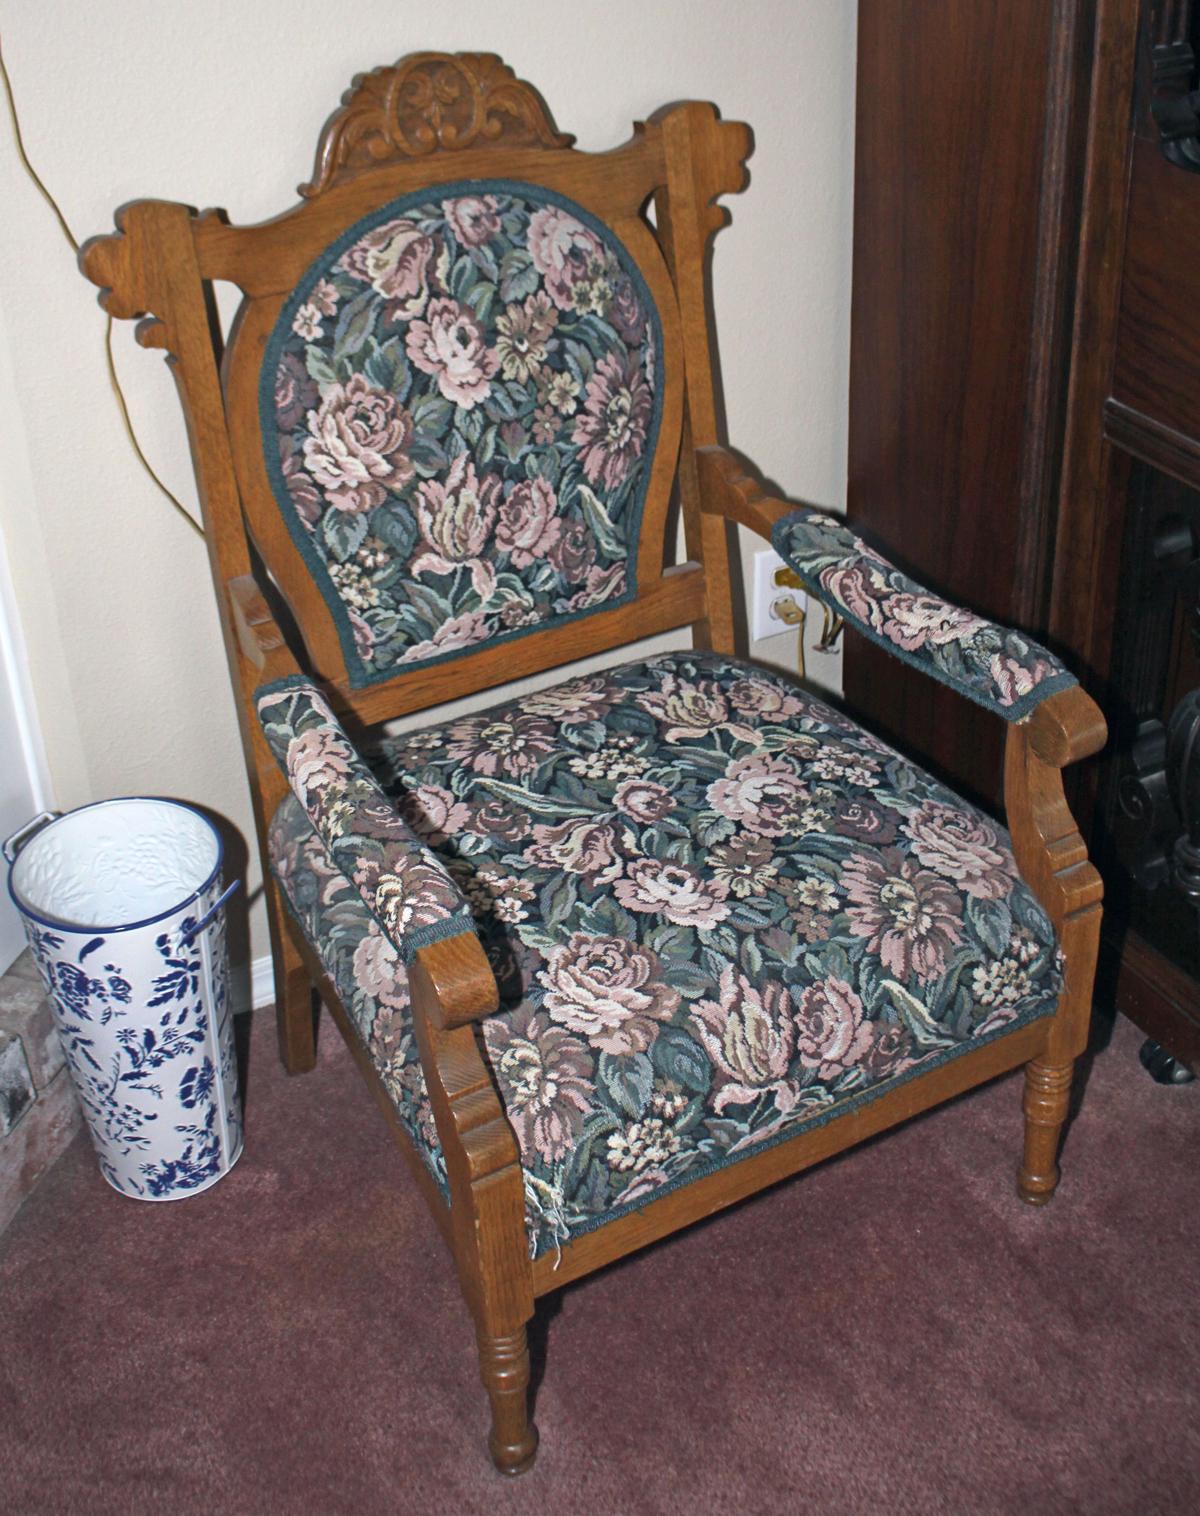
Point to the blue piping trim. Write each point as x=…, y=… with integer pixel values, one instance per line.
x=451, y=926
x=288, y=682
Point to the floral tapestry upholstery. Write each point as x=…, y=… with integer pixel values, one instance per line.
x=406, y=889
x=1003, y=670
x=459, y=407
x=719, y=913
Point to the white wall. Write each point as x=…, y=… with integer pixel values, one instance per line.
x=220, y=103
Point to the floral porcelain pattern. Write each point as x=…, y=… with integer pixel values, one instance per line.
x=718, y=911
x=147, y=1031
x=406, y=889
x=459, y=409
x=1001, y=669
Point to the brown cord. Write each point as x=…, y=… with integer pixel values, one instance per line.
x=108, y=348
x=830, y=632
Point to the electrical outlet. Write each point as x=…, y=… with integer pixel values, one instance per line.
x=765, y=620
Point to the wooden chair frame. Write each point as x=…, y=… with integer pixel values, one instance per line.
x=433, y=119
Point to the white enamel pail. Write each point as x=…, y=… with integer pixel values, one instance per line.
x=123, y=908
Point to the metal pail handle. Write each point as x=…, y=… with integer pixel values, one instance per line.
x=190, y=937
x=11, y=846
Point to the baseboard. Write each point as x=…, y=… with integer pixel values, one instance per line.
x=262, y=983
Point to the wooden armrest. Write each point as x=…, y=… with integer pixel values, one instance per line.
x=457, y=985
x=1061, y=729
x=408, y=889
x=1003, y=669
x=1066, y=727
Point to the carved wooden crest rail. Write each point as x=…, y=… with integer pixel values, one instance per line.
x=428, y=103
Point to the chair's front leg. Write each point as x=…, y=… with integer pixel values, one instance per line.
x=1047, y=1100
x=452, y=986
x=504, y=1368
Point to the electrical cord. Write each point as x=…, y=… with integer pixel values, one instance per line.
x=108, y=332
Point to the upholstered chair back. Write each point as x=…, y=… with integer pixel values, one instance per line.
x=460, y=402
x=466, y=382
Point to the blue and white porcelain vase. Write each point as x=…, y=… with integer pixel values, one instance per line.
x=123, y=908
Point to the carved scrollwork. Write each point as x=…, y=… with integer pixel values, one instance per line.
x=117, y=263
x=1174, y=100
x=428, y=103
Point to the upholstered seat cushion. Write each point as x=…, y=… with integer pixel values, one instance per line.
x=719, y=912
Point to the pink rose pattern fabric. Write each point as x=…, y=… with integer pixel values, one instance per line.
x=999, y=668
x=459, y=409
x=407, y=890
x=718, y=911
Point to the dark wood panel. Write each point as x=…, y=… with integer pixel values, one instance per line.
x=1086, y=551
x=968, y=137
x=1175, y=453
x=1159, y=998
x=1157, y=369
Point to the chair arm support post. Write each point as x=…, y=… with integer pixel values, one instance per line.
x=1051, y=853
x=727, y=490
x=452, y=985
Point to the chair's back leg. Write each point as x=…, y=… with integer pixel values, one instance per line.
x=295, y=996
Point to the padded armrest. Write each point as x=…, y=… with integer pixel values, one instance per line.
x=403, y=885
x=1003, y=670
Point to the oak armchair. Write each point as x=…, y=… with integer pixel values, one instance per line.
x=621, y=952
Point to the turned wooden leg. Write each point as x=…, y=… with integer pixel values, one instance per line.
x=504, y=1368
x=1047, y=1096
x=295, y=997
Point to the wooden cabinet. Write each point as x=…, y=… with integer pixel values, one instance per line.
x=968, y=133
x=1025, y=399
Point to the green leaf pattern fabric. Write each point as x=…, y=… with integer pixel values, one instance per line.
x=459, y=407
x=407, y=890
x=1003, y=670
x=719, y=913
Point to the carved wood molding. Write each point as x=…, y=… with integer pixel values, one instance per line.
x=1174, y=101
x=428, y=103
x=728, y=490
x=120, y=263
x=1154, y=442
